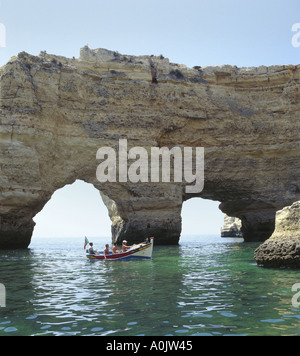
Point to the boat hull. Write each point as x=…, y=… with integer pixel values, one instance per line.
x=142, y=251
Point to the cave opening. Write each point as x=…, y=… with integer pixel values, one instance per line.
x=76, y=210
x=201, y=217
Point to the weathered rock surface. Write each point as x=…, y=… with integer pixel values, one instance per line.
x=283, y=247
x=232, y=227
x=55, y=113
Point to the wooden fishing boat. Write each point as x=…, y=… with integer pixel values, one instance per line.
x=142, y=250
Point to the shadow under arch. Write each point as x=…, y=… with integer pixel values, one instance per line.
x=75, y=210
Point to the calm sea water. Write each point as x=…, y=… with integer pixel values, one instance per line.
x=205, y=286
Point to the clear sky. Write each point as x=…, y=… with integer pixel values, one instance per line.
x=192, y=32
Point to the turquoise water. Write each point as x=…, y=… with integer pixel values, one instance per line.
x=205, y=286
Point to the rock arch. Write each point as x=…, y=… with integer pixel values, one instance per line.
x=55, y=113
x=75, y=210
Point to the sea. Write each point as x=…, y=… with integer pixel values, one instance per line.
x=206, y=286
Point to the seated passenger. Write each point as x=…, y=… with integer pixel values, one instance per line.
x=124, y=246
x=106, y=251
x=115, y=249
x=91, y=250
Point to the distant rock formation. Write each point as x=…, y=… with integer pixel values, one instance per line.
x=283, y=247
x=232, y=227
x=55, y=113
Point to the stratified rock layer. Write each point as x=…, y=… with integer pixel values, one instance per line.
x=55, y=113
x=283, y=248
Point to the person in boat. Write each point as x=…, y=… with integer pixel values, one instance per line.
x=115, y=249
x=91, y=250
x=106, y=251
x=125, y=248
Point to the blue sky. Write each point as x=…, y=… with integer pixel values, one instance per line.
x=193, y=32
x=203, y=32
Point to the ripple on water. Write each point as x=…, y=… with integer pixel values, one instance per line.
x=10, y=329
x=196, y=289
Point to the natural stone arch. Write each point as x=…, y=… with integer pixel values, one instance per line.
x=75, y=210
x=55, y=113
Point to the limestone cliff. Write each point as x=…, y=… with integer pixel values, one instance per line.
x=283, y=247
x=232, y=227
x=55, y=113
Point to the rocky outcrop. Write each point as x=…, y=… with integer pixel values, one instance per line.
x=232, y=227
x=283, y=247
x=55, y=113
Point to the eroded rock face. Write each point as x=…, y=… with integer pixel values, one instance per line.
x=55, y=113
x=232, y=227
x=283, y=247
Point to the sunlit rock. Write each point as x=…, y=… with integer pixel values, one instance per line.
x=282, y=249
x=55, y=113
